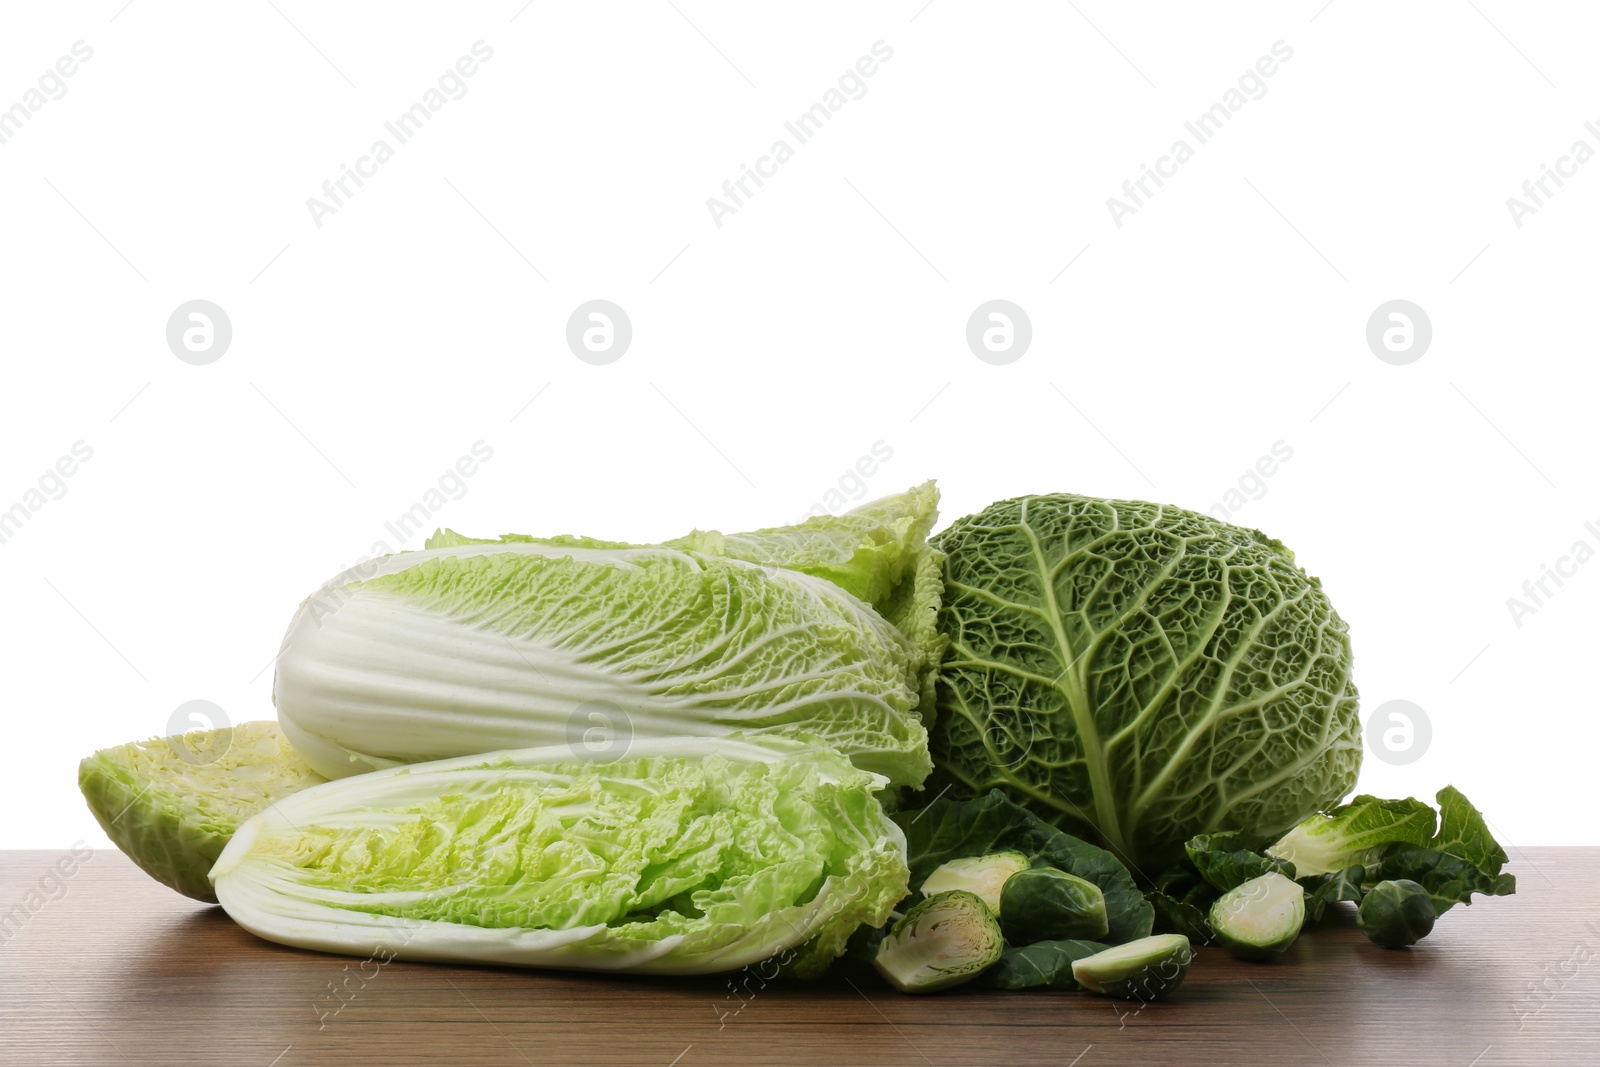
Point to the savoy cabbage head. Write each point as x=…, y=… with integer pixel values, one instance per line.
x=1140, y=674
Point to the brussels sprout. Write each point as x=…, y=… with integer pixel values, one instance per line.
x=947, y=939
x=1044, y=904
x=979, y=875
x=1396, y=914
x=1260, y=918
x=1147, y=969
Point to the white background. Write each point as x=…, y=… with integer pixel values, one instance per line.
x=825, y=315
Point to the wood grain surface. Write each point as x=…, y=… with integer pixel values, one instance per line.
x=104, y=966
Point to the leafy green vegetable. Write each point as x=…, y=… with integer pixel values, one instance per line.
x=1396, y=914
x=1141, y=673
x=688, y=856
x=951, y=829
x=943, y=941
x=1044, y=904
x=1182, y=902
x=1463, y=833
x=475, y=648
x=1396, y=839
x=1348, y=884
x=1230, y=858
x=1392, y=839
x=1461, y=859
x=172, y=803
x=1148, y=969
x=1354, y=833
x=1260, y=918
x=983, y=876
x=1449, y=879
x=1175, y=916
x=1041, y=964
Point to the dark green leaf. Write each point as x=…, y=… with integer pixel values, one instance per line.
x=1178, y=916
x=1340, y=885
x=1462, y=832
x=1449, y=879
x=863, y=944
x=1225, y=841
x=1182, y=900
x=1229, y=859
x=1043, y=963
x=1176, y=880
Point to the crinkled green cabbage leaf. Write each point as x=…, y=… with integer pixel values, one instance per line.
x=1140, y=674
x=1356, y=832
x=1382, y=840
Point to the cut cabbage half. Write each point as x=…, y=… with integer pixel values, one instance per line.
x=171, y=803
x=684, y=856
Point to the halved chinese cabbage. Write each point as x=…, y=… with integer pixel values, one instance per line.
x=171, y=803
x=686, y=856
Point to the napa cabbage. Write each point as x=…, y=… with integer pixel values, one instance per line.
x=687, y=856
x=471, y=645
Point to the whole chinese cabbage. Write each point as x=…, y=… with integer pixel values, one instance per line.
x=877, y=552
x=455, y=651
x=685, y=856
x=1140, y=673
x=825, y=628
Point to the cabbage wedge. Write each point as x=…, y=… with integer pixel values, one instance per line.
x=171, y=803
x=688, y=856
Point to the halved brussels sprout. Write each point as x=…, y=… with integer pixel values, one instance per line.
x=983, y=876
x=947, y=939
x=1147, y=969
x=1260, y=918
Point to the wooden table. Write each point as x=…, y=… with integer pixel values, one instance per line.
x=107, y=967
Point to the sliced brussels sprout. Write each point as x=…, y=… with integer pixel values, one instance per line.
x=982, y=876
x=1045, y=904
x=1147, y=969
x=947, y=939
x=1396, y=914
x=1260, y=918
